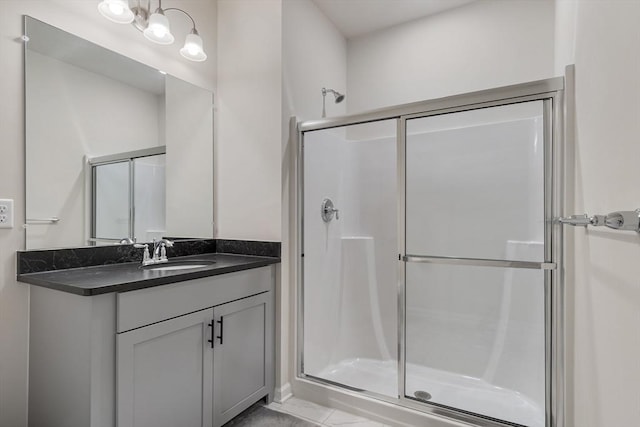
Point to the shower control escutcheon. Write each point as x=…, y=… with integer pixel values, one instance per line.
x=327, y=210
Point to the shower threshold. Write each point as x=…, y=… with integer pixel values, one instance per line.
x=445, y=388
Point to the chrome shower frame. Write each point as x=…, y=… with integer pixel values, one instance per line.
x=552, y=93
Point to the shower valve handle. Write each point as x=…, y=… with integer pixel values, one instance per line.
x=327, y=210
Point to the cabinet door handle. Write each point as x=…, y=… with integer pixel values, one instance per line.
x=221, y=322
x=212, y=332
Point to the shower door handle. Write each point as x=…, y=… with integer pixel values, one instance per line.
x=479, y=262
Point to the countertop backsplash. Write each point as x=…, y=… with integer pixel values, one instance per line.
x=59, y=259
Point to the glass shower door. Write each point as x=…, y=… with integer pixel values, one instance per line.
x=474, y=336
x=350, y=256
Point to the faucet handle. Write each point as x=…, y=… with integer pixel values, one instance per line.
x=146, y=258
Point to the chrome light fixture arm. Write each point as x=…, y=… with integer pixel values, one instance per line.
x=193, y=23
x=155, y=26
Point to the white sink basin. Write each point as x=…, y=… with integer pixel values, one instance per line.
x=179, y=265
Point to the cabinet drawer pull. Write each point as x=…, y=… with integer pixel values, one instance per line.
x=212, y=332
x=221, y=321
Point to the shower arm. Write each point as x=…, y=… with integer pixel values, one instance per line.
x=621, y=220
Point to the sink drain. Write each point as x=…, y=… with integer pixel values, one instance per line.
x=422, y=395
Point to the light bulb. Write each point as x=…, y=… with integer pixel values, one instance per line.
x=116, y=11
x=116, y=8
x=158, y=30
x=192, y=49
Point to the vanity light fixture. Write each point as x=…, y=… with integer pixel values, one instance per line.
x=154, y=26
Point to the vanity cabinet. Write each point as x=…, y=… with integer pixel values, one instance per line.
x=164, y=374
x=189, y=354
x=241, y=355
x=196, y=370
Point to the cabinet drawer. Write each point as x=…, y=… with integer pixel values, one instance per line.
x=151, y=305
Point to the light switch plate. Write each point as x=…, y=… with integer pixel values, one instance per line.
x=6, y=213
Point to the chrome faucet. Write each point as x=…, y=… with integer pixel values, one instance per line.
x=160, y=251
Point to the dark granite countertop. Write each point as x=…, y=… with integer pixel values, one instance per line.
x=130, y=276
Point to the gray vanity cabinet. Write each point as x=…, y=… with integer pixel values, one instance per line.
x=242, y=355
x=164, y=374
x=171, y=374
x=180, y=364
x=144, y=358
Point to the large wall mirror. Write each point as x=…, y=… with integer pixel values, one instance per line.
x=114, y=149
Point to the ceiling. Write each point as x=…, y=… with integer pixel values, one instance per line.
x=357, y=17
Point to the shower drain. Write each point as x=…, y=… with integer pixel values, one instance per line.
x=422, y=395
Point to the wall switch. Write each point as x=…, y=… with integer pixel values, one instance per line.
x=6, y=213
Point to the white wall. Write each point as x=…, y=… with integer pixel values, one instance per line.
x=314, y=56
x=603, y=39
x=81, y=18
x=478, y=46
x=249, y=120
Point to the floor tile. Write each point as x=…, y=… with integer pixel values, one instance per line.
x=340, y=418
x=307, y=410
x=260, y=416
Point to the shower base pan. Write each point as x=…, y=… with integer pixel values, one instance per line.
x=436, y=386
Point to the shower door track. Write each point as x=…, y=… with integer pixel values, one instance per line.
x=551, y=92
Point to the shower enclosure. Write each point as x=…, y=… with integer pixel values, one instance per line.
x=430, y=265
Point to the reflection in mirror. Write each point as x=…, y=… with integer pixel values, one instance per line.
x=121, y=183
x=88, y=111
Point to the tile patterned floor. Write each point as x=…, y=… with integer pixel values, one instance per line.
x=322, y=416
x=260, y=416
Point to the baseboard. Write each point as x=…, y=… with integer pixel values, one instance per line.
x=282, y=394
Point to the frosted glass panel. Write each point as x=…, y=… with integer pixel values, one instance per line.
x=112, y=200
x=475, y=340
x=350, y=296
x=149, y=197
x=475, y=182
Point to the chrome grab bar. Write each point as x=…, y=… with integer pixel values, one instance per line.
x=52, y=220
x=480, y=262
x=621, y=220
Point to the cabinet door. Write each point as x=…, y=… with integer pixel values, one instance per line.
x=242, y=355
x=164, y=373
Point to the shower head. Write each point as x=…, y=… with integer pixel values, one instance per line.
x=339, y=97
